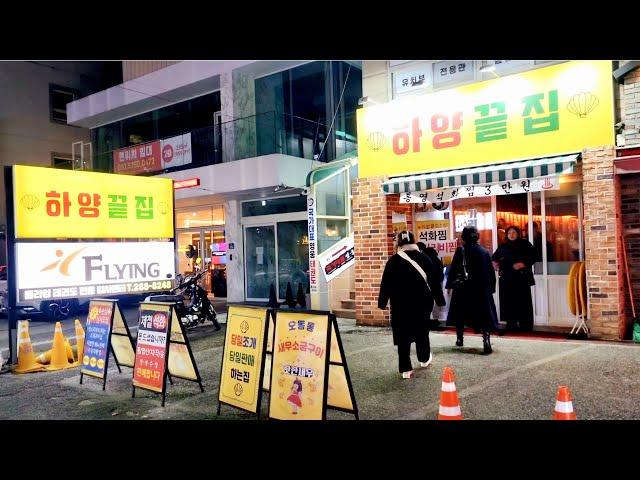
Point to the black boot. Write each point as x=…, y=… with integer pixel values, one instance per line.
x=486, y=343
x=460, y=340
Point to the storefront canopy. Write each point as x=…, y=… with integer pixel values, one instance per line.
x=541, y=167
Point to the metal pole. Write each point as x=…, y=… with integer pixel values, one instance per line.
x=11, y=267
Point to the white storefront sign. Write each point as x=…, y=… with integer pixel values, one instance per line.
x=337, y=258
x=415, y=79
x=452, y=72
x=71, y=270
x=508, y=187
x=176, y=151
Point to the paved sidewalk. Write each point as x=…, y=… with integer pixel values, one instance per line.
x=518, y=381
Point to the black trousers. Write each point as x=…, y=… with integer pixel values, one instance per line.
x=423, y=349
x=460, y=332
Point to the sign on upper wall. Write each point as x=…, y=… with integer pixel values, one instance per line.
x=53, y=203
x=548, y=111
x=153, y=156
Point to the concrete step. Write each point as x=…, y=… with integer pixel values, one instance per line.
x=345, y=313
x=348, y=304
x=352, y=294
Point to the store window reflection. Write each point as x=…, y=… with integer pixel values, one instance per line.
x=293, y=256
x=474, y=212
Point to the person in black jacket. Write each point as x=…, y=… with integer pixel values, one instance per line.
x=412, y=299
x=431, y=252
x=472, y=304
x=515, y=258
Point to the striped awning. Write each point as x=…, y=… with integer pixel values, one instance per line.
x=541, y=167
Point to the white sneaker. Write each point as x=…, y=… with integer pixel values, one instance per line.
x=426, y=364
x=408, y=374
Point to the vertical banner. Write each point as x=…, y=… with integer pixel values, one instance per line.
x=243, y=357
x=96, y=342
x=151, y=348
x=299, y=369
x=311, y=223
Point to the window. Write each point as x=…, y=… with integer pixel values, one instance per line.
x=273, y=206
x=58, y=99
x=61, y=161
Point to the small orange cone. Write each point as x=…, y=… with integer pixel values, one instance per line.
x=26, y=358
x=79, y=340
x=69, y=350
x=564, y=405
x=59, y=359
x=449, y=404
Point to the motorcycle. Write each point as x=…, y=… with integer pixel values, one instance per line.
x=198, y=310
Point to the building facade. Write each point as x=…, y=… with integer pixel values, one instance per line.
x=444, y=144
x=240, y=139
x=33, y=120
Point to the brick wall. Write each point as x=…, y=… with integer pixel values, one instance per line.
x=603, y=251
x=630, y=107
x=372, y=248
x=630, y=206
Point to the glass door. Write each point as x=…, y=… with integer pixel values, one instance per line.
x=260, y=261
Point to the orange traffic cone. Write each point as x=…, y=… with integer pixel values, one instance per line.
x=564, y=405
x=69, y=350
x=26, y=359
x=449, y=404
x=79, y=340
x=59, y=359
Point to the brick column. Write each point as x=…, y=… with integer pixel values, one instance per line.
x=371, y=248
x=603, y=252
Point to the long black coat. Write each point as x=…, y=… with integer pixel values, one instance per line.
x=473, y=305
x=516, y=307
x=411, y=302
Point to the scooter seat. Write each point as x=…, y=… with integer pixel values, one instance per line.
x=165, y=298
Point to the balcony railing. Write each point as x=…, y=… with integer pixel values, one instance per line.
x=254, y=136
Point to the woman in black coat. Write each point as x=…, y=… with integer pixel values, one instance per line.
x=515, y=258
x=411, y=301
x=472, y=304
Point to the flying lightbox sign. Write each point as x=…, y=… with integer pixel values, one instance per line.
x=71, y=270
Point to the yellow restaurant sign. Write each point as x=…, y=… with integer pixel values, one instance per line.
x=53, y=203
x=548, y=111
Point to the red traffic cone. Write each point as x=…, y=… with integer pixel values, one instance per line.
x=564, y=405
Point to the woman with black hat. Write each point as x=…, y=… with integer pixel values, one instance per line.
x=473, y=281
x=515, y=258
x=410, y=282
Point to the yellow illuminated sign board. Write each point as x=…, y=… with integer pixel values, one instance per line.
x=299, y=365
x=243, y=357
x=554, y=110
x=54, y=203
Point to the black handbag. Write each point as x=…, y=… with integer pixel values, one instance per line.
x=462, y=278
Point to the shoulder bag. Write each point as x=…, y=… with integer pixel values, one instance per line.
x=463, y=276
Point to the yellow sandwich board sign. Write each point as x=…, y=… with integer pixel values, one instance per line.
x=243, y=358
x=308, y=367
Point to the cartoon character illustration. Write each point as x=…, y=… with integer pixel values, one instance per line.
x=294, y=398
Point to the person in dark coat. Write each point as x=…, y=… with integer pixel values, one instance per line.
x=472, y=304
x=411, y=301
x=431, y=252
x=515, y=258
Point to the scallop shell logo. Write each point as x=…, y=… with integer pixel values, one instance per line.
x=163, y=208
x=583, y=103
x=376, y=141
x=29, y=202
